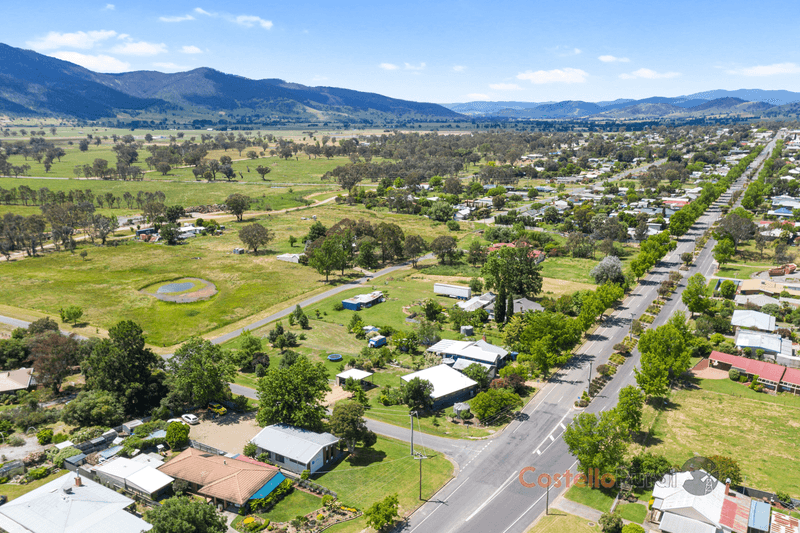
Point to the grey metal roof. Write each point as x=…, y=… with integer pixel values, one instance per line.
x=295, y=443
x=758, y=299
x=61, y=507
x=673, y=523
x=753, y=319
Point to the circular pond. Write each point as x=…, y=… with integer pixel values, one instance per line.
x=170, y=288
x=182, y=290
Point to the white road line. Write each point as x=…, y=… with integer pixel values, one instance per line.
x=493, y=496
x=438, y=506
x=526, y=512
x=537, y=451
x=562, y=425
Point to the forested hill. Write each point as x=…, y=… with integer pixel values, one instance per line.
x=35, y=84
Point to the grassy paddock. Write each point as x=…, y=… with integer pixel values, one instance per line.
x=386, y=468
x=722, y=417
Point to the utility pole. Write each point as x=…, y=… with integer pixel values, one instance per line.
x=411, y=415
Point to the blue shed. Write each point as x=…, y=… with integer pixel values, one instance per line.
x=377, y=342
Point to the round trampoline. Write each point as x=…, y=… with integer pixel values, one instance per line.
x=335, y=357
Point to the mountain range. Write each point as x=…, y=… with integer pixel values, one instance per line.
x=32, y=84
x=35, y=84
x=753, y=102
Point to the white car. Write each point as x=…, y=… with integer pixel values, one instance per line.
x=190, y=419
x=179, y=420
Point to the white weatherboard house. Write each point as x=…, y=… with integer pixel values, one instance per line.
x=476, y=351
x=71, y=505
x=753, y=320
x=294, y=448
x=449, y=386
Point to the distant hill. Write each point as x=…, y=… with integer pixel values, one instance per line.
x=32, y=83
x=753, y=102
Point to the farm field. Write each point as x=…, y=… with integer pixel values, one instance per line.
x=107, y=283
x=184, y=194
x=711, y=420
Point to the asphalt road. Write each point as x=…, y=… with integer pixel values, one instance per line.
x=486, y=494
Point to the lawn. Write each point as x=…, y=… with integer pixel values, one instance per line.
x=295, y=504
x=635, y=512
x=561, y=522
x=599, y=499
x=569, y=269
x=721, y=417
x=15, y=491
x=386, y=468
x=739, y=271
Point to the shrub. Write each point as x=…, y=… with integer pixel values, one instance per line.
x=338, y=306
x=15, y=440
x=611, y=522
x=783, y=496
x=58, y=438
x=320, y=517
x=305, y=474
x=733, y=374
x=6, y=427
x=452, y=225
x=249, y=449
x=632, y=528
x=177, y=435
x=261, y=371
x=45, y=436
x=603, y=370
x=241, y=402
x=37, y=473
x=60, y=455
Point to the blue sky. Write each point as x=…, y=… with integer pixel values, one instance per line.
x=433, y=51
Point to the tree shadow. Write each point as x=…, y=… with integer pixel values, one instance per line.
x=365, y=457
x=80, y=325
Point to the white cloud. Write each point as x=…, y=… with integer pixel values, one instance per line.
x=505, y=87
x=110, y=7
x=477, y=96
x=559, y=75
x=388, y=66
x=140, y=48
x=459, y=68
x=170, y=66
x=613, y=59
x=319, y=78
x=83, y=40
x=768, y=70
x=191, y=49
x=649, y=74
x=179, y=18
x=98, y=63
x=248, y=21
x=576, y=51
x=123, y=36
x=409, y=66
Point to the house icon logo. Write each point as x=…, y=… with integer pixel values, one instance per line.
x=701, y=482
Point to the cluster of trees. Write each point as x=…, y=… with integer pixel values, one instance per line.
x=761, y=187
x=681, y=221
x=24, y=195
x=361, y=243
x=512, y=272
x=545, y=339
